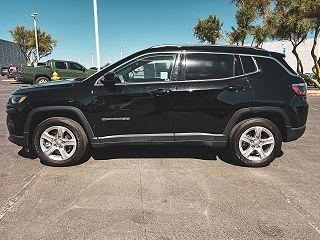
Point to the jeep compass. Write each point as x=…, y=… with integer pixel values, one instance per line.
x=243, y=99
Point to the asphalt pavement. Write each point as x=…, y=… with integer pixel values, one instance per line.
x=161, y=192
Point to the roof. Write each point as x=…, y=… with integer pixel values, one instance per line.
x=212, y=48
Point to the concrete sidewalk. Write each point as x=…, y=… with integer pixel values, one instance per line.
x=313, y=92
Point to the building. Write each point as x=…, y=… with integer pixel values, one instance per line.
x=11, y=54
x=304, y=51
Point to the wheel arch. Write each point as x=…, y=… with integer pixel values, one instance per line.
x=37, y=115
x=274, y=114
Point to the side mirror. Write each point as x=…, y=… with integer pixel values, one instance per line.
x=110, y=79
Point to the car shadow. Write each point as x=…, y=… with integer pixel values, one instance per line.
x=202, y=153
x=162, y=151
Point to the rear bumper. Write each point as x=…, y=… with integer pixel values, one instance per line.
x=294, y=133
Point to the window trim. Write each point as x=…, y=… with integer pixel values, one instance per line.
x=96, y=84
x=66, y=64
x=211, y=79
x=176, y=59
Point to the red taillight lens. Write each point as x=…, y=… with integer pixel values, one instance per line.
x=300, y=89
x=20, y=71
x=10, y=70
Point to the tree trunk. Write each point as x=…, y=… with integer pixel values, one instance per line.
x=316, y=68
x=299, y=63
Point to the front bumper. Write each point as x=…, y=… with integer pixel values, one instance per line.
x=19, y=140
x=294, y=133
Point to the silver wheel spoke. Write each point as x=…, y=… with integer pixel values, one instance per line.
x=248, y=151
x=246, y=138
x=261, y=153
x=70, y=142
x=258, y=131
x=48, y=137
x=50, y=150
x=63, y=153
x=61, y=131
x=267, y=141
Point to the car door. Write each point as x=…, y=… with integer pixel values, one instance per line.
x=76, y=70
x=140, y=106
x=210, y=90
x=61, y=68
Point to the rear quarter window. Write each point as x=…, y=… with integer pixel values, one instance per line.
x=248, y=64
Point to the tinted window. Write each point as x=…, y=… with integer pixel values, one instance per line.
x=248, y=64
x=271, y=68
x=75, y=66
x=209, y=66
x=149, y=69
x=61, y=65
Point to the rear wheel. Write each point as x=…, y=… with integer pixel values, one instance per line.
x=255, y=142
x=60, y=141
x=41, y=80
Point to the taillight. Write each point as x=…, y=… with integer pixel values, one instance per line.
x=10, y=70
x=300, y=89
x=20, y=71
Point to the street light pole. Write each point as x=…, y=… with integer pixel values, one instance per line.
x=96, y=28
x=121, y=52
x=35, y=33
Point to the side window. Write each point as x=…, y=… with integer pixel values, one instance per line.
x=75, y=66
x=61, y=65
x=201, y=66
x=248, y=64
x=149, y=69
x=271, y=68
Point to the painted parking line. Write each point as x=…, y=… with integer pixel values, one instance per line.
x=8, y=80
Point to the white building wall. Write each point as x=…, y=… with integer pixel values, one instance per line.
x=304, y=51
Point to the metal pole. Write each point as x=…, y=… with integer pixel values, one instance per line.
x=121, y=51
x=36, y=34
x=91, y=59
x=96, y=28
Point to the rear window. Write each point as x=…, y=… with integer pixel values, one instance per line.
x=248, y=64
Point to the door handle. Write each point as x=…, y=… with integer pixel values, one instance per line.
x=234, y=88
x=160, y=91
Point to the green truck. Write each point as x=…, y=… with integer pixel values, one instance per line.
x=53, y=70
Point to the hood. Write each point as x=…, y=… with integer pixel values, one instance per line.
x=46, y=86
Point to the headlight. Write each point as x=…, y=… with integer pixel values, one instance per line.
x=17, y=99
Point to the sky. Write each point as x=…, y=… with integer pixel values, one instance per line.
x=135, y=25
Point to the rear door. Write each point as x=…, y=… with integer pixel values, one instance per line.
x=210, y=90
x=61, y=68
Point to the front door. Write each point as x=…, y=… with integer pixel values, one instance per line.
x=140, y=106
x=211, y=89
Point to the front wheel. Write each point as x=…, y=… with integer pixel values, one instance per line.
x=60, y=141
x=255, y=142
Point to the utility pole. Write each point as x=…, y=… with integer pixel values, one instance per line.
x=92, y=60
x=36, y=34
x=96, y=28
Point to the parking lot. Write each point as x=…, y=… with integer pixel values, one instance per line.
x=161, y=192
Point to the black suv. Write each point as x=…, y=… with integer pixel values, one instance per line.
x=246, y=99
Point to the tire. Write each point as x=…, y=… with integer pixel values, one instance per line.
x=41, y=80
x=60, y=141
x=250, y=150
